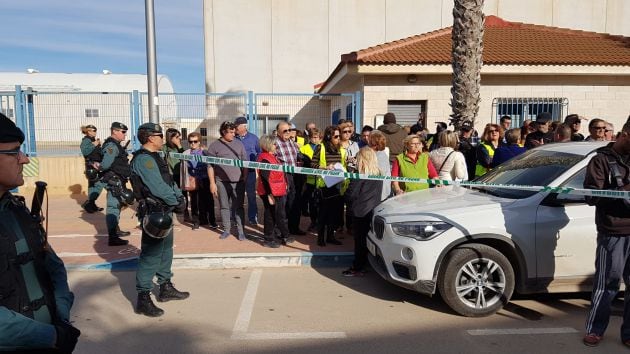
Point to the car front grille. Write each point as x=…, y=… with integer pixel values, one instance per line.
x=379, y=227
x=405, y=271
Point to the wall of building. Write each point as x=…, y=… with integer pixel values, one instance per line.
x=603, y=97
x=291, y=45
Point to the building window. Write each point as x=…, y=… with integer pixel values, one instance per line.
x=7, y=112
x=527, y=108
x=91, y=113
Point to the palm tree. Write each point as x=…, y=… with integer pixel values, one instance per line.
x=467, y=36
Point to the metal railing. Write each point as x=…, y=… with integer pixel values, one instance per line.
x=520, y=109
x=52, y=120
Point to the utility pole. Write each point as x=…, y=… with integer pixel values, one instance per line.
x=154, y=102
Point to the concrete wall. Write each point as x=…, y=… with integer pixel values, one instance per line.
x=603, y=97
x=291, y=45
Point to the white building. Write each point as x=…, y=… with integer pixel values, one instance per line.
x=285, y=46
x=62, y=102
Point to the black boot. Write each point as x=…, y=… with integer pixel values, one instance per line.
x=330, y=237
x=114, y=240
x=90, y=207
x=145, y=305
x=168, y=292
x=121, y=233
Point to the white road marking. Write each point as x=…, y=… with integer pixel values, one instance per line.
x=79, y=254
x=510, y=331
x=245, y=314
x=296, y=335
x=247, y=305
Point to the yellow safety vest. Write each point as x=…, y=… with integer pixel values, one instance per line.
x=308, y=151
x=299, y=140
x=479, y=169
x=322, y=164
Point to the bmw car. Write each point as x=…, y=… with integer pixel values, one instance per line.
x=478, y=245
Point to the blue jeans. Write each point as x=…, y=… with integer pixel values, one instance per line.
x=611, y=265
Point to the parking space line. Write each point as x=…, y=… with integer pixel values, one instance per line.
x=245, y=314
x=510, y=331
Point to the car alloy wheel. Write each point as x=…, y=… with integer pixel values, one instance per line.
x=476, y=280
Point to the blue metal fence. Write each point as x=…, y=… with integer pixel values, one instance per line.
x=52, y=120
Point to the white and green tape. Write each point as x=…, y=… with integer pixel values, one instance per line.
x=435, y=182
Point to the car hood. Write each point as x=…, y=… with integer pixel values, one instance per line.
x=450, y=200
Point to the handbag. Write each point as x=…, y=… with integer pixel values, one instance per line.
x=186, y=181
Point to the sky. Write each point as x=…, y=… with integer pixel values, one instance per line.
x=88, y=36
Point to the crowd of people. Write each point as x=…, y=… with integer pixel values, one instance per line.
x=404, y=151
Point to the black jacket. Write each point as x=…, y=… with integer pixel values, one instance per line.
x=365, y=195
x=612, y=216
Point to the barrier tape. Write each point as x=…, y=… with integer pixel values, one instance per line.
x=434, y=182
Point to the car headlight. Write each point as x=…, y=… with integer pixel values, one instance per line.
x=420, y=230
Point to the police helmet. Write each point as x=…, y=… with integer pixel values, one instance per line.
x=125, y=197
x=91, y=174
x=157, y=225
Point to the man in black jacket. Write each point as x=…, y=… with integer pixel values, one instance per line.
x=610, y=170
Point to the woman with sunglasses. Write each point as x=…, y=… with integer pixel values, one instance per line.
x=352, y=149
x=485, y=150
x=91, y=151
x=201, y=202
x=325, y=157
x=173, y=144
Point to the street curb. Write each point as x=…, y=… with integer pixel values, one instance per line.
x=232, y=260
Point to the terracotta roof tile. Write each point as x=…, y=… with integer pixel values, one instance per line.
x=505, y=43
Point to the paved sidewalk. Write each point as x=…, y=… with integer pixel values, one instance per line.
x=80, y=239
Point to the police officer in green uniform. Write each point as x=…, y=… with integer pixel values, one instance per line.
x=35, y=300
x=91, y=151
x=115, y=171
x=158, y=197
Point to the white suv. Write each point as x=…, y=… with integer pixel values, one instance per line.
x=477, y=245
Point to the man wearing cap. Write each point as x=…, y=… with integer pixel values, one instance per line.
x=91, y=151
x=252, y=149
x=541, y=136
x=574, y=121
x=35, y=299
x=467, y=147
x=158, y=194
x=113, y=168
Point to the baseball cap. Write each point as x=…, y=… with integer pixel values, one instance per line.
x=240, y=120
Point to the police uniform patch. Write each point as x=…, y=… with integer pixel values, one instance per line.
x=110, y=150
x=149, y=164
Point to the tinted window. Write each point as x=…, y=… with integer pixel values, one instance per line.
x=533, y=168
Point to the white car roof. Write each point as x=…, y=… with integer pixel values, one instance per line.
x=575, y=147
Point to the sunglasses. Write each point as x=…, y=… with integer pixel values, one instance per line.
x=123, y=131
x=347, y=131
x=285, y=131
x=193, y=141
x=16, y=151
x=160, y=135
x=335, y=136
x=92, y=130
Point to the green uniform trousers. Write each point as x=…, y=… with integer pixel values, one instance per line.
x=95, y=189
x=112, y=214
x=156, y=258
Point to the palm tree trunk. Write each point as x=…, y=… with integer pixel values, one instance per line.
x=467, y=36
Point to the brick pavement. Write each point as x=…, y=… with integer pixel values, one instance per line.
x=81, y=239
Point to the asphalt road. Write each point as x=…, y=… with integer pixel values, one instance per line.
x=316, y=310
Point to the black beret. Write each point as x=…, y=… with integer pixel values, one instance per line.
x=119, y=125
x=9, y=132
x=151, y=127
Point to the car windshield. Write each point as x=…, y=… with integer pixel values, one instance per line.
x=534, y=168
